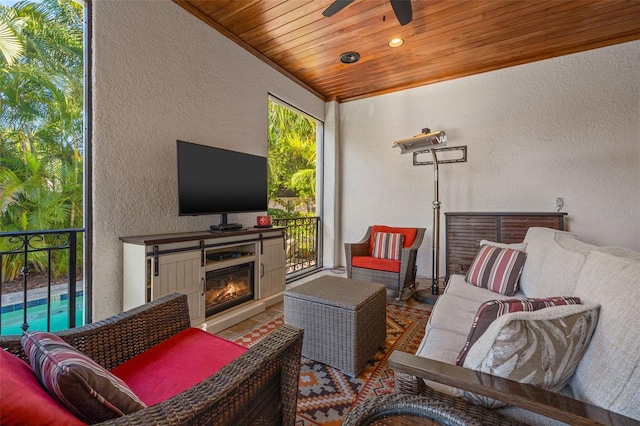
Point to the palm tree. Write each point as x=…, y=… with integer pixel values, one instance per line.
x=292, y=155
x=41, y=121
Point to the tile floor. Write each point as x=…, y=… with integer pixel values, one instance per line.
x=277, y=310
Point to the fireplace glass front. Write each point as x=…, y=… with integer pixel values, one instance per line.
x=228, y=287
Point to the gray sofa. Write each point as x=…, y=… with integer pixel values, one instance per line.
x=558, y=264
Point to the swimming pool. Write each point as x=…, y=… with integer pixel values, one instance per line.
x=37, y=316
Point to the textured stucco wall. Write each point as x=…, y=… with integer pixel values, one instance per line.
x=160, y=74
x=567, y=127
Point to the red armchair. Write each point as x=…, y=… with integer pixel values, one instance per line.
x=398, y=275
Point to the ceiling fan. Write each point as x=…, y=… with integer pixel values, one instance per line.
x=402, y=9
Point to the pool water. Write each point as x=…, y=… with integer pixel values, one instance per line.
x=37, y=317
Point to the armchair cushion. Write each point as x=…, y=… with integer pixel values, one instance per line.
x=24, y=401
x=541, y=348
x=497, y=269
x=408, y=233
x=175, y=365
x=387, y=245
x=369, y=262
x=84, y=387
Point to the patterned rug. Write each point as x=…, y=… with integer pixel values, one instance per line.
x=325, y=393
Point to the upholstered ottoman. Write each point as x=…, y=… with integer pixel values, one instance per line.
x=344, y=320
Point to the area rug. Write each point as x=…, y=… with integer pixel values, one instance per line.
x=325, y=393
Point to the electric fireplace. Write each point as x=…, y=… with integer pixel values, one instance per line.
x=228, y=287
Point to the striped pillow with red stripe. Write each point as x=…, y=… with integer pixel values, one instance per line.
x=491, y=310
x=89, y=391
x=497, y=269
x=387, y=245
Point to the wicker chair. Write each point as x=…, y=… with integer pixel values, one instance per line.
x=398, y=283
x=258, y=388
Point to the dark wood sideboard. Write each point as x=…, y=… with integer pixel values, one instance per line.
x=466, y=229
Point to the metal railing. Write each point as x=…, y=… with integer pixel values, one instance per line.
x=303, y=245
x=40, y=252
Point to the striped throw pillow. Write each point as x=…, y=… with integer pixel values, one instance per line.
x=89, y=391
x=387, y=245
x=497, y=269
x=489, y=311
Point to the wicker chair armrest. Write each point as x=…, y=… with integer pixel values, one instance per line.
x=259, y=387
x=360, y=248
x=531, y=398
x=114, y=340
x=356, y=249
x=367, y=237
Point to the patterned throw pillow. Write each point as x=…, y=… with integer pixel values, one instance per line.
x=541, y=348
x=491, y=310
x=92, y=393
x=387, y=245
x=497, y=269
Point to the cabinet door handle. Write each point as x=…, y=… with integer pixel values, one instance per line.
x=156, y=261
x=261, y=270
x=203, y=286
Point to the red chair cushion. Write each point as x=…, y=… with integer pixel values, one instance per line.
x=23, y=399
x=177, y=364
x=409, y=235
x=369, y=262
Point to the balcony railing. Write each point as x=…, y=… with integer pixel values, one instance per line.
x=51, y=302
x=304, y=253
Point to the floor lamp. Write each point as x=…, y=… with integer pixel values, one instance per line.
x=428, y=140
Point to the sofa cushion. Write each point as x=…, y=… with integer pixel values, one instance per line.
x=454, y=313
x=611, y=278
x=457, y=286
x=84, y=387
x=441, y=345
x=369, y=262
x=24, y=401
x=387, y=245
x=176, y=364
x=408, y=233
x=497, y=269
x=560, y=268
x=538, y=240
x=542, y=348
x=491, y=310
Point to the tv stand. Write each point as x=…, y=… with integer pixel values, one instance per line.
x=224, y=226
x=156, y=265
x=221, y=227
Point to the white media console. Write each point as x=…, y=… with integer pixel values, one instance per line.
x=191, y=263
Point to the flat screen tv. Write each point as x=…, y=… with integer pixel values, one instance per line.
x=219, y=181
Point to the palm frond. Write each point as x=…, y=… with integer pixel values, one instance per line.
x=10, y=43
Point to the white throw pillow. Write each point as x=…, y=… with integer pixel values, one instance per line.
x=541, y=348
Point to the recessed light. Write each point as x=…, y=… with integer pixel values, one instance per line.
x=349, y=57
x=396, y=42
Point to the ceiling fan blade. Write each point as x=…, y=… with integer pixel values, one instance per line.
x=402, y=9
x=336, y=7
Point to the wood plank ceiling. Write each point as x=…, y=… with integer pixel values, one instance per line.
x=447, y=39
